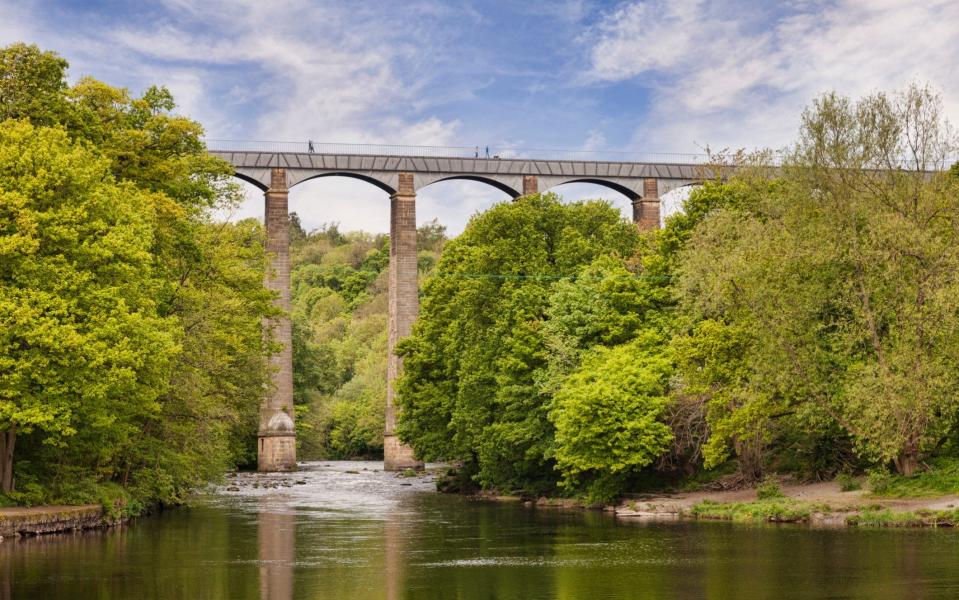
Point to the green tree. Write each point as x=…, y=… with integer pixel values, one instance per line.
x=32, y=85
x=83, y=343
x=843, y=275
x=472, y=388
x=206, y=282
x=609, y=415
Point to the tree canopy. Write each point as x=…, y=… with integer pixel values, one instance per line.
x=839, y=284
x=476, y=384
x=132, y=348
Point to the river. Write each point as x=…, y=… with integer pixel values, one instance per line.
x=348, y=530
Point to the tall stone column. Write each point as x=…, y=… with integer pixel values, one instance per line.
x=276, y=450
x=403, y=309
x=646, y=209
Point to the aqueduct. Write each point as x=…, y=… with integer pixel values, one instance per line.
x=401, y=177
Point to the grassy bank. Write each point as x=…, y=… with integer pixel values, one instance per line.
x=788, y=510
x=941, y=477
x=780, y=510
x=919, y=518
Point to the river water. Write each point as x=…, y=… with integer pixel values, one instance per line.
x=348, y=530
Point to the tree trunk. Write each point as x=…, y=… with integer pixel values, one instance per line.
x=7, y=440
x=908, y=460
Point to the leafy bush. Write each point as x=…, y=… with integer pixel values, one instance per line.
x=941, y=477
x=769, y=490
x=879, y=481
x=847, y=483
x=609, y=416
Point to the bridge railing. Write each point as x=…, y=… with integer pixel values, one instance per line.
x=455, y=151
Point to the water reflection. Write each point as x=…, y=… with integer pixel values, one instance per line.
x=346, y=532
x=276, y=544
x=394, y=550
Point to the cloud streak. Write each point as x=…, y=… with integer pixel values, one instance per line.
x=724, y=79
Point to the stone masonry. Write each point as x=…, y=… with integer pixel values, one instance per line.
x=276, y=450
x=403, y=309
x=530, y=185
x=646, y=209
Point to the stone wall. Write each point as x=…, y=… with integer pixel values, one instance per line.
x=15, y=522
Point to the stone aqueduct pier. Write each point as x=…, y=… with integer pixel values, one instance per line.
x=401, y=177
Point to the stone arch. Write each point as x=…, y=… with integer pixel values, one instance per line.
x=616, y=187
x=251, y=180
x=383, y=185
x=490, y=181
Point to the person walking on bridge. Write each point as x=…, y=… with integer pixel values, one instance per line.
x=309, y=146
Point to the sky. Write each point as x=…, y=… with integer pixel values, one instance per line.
x=654, y=76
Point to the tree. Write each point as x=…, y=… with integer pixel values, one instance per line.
x=32, y=84
x=81, y=337
x=471, y=388
x=844, y=275
x=206, y=282
x=609, y=415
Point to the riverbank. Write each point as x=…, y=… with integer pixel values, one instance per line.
x=37, y=520
x=819, y=504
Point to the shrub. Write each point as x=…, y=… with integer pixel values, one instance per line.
x=769, y=490
x=847, y=483
x=880, y=481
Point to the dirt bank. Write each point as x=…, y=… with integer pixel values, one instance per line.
x=36, y=520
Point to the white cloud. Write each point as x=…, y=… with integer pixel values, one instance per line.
x=317, y=73
x=286, y=70
x=719, y=77
x=644, y=36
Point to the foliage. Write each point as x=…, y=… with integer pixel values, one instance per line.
x=879, y=481
x=920, y=518
x=475, y=386
x=769, y=490
x=841, y=276
x=339, y=297
x=81, y=339
x=608, y=416
x=133, y=352
x=777, y=510
x=32, y=85
x=941, y=477
x=848, y=483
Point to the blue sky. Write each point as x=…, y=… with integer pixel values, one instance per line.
x=656, y=76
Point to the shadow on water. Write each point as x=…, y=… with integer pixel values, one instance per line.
x=348, y=530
